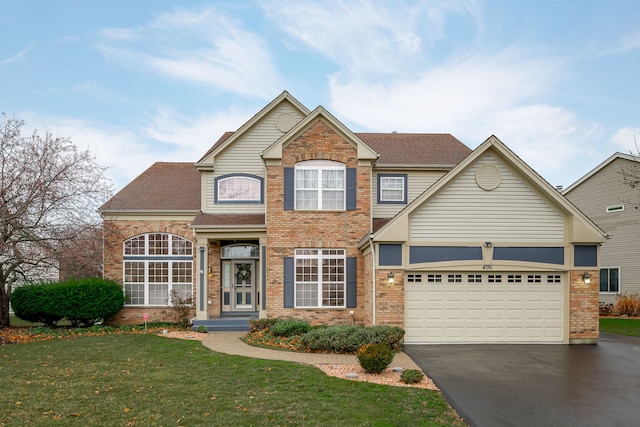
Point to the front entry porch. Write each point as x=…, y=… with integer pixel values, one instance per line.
x=230, y=321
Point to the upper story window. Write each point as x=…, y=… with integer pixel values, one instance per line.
x=320, y=185
x=392, y=188
x=238, y=188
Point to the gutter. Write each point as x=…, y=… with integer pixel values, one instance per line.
x=373, y=278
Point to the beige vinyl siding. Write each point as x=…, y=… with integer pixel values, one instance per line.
x=463, y=211
x=419, y=181
x=243, y=156
x=621, y=250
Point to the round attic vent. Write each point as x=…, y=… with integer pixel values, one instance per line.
x=488, y=177
x=285, y=122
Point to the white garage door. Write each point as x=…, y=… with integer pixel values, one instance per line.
x=484, y=307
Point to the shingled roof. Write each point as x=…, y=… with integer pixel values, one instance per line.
x=416, y=149
x=162, y=187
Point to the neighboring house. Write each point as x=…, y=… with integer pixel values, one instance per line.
x=294, y=215
x=612, y=204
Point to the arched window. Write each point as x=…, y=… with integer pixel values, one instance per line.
x=155, y=264
x=238, y=188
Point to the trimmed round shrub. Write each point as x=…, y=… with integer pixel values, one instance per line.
x=374, y=358
x=290, y=327
x=411, y=376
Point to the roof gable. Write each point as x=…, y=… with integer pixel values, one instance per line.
x=398, y=228
x=228, y=138
x=274, y=151
x=599, y=168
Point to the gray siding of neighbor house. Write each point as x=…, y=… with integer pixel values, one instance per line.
x=512, y=212
x=418, y=182
x=605, y=188
x=244, y=157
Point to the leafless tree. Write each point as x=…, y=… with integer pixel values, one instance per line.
x=49, y=193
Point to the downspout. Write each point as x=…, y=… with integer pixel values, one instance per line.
x=373, y=279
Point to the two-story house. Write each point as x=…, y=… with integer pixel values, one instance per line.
x=612, y=204
x=295, y=215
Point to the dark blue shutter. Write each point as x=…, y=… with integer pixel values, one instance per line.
x=289, y=188
x=351, y=283
x=351, y=189
x=288, y=282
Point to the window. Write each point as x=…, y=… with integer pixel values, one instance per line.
x=454, y=278
x=434, y=278
x=392, y=188
x=320, y=278
x=610, y=279
x=320, y=185
x=534, y=278
x=238, y=188
x=154, y=265
x=615, y=208
x=494, y=278
x=514, y=278
x=474, y=278
x=414, y=278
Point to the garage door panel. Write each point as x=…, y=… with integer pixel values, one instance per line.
x=493, y=310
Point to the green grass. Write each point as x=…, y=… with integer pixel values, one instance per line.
x=629, y=326
x=147, y=380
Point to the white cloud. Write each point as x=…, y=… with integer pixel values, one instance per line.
x=205, y=47
x=18, y=56
x=365, y=38
x=627, y=140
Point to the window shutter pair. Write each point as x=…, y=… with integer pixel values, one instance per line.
x=289, y=282
x=290, y=189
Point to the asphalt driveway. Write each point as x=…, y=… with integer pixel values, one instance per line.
x=538, y=385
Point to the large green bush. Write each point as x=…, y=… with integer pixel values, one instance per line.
x=348, y=338
x=81, y=301
x=36, y=303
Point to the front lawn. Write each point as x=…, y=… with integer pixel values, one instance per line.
x=622, y=326
x=149, y=380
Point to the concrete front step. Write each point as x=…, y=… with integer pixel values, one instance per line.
x=231, y=322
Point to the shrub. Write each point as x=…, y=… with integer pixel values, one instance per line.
x=88, y=301
x=374, y=358
x=202, y=329
x=627, y=304
x=36, y=303
x=257, y=325
x=290, y=327
x=606, y=309
x=411, y=376
x=349, y=338
x=181, y=306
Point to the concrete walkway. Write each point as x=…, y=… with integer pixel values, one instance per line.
x=230, y=343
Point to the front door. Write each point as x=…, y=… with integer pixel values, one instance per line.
x=243, y=285
x=238, y=285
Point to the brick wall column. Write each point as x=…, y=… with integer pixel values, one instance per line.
x=389, y=298
x=583, y=307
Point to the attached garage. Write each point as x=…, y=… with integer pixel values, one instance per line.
x=485, y=307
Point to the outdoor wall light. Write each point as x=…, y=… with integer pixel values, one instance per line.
x=390, y=278
x=209, y=270
x=586, y=278
x=488, y=244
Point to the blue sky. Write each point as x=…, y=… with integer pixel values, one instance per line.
x=154, y=80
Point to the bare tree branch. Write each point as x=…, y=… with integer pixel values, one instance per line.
x=49, y=193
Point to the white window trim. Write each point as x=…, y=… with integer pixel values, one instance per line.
x=619, y=281
x=320, y=166
x=402, y=190
x=319, y=256
x=147, y=258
